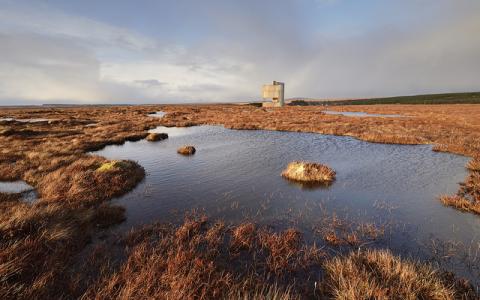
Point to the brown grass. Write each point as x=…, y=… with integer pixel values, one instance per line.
x=194, y=261
x=186, y=150
x=474, y=164
x=243, y=237
x=461, y=203
x=41, y=244
x=90, y=179
x=9, y=197
x=342, y=232
x=37, y=244
x=378, y=274
x=468, y=196
x=309, y=172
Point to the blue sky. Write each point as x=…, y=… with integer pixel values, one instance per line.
x=201, y=51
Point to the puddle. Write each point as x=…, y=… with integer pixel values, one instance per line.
x=27, y=191
x=235, y=175
x=159, y=114
x=359, y=114
x=34, y=120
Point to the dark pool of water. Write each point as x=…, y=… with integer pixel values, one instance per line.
x=359, y=114
x=236, y=175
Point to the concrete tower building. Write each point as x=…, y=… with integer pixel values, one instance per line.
x=276, y=92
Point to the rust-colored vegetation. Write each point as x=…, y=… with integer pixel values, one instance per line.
x=89, y=179
x=43, y=245
x=309, y=172
x=337, y=232
x=39, y=241
x=186, y=150
x=195, y=261
x=378, y=274
x=468, y=195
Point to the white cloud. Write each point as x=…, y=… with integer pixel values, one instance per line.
x=50, y=56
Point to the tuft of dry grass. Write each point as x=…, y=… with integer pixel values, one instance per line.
x=378, y=274
x=243, y=237
x=461, y=203
x=186, y=150
x=309, y=172
x=154, y=137
x=474, y=164
x=90, y=179
x=471, y=187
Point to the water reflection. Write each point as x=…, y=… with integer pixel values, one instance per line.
x=16, y=187
x=33, y=120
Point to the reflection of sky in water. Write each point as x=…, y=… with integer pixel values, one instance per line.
x=236, y=174
x=359, y=114
x=18, y=187
x=33, y=120
x=158, y=114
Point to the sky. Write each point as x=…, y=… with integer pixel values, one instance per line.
x=146, y=51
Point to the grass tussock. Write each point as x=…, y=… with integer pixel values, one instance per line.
x=186, y=150
x=90, y=179
x=154, y=137
x=378, y=274
x=474, y=164
x=309, y=172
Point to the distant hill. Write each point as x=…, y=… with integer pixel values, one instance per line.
x=450, y=98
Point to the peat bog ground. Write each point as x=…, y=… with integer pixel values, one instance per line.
x=46, y=249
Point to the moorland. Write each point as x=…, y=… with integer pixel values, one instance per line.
x=47, y=247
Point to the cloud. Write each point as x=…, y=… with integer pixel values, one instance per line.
x=225, y=50
x=149, y=82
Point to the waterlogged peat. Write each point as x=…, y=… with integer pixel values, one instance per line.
x=236, y=176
